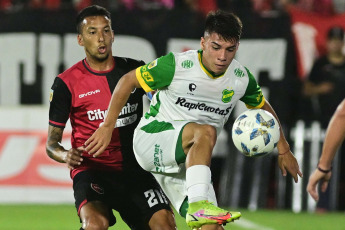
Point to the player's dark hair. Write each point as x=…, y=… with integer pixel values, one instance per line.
x=226, y=24
x=93, y=10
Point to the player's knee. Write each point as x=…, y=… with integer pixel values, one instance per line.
x=206, y=133
x=97, y=222
x=162, y=220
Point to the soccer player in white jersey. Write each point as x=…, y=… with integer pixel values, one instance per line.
x=196, y=92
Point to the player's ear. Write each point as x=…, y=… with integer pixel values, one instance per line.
x=80, y=40
x=112, y=35
x=202, y=43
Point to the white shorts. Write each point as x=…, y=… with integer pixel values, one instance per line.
x=158, y=149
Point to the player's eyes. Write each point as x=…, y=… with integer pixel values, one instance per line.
x=215, y=48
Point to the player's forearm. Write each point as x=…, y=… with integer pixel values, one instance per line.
x=53, y=147
x=119, y=98
x=335, y=135
x=282, y=145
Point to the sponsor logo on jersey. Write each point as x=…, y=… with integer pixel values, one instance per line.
x=187, y=64
x=227, y=95
x=238, y=72
x=89, y=93
x=51, y=95
x=98, y=114
x=202, y=107
x=192, y=87
x=152, y=64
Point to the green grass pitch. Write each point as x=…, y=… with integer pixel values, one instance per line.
x=64, y=217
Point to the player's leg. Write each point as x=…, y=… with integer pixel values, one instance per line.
x=144, y=205
x=94, y=215
x=91, y=201
x=197, y=143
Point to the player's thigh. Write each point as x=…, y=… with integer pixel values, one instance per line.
x=142, y=201
x=158, y=146
x=194, y=131
x=90, y=187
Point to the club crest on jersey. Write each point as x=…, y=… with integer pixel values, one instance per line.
x=187, y=64
x=227, y=95
x=238, y=72
x=51, y=95
x=152, y=64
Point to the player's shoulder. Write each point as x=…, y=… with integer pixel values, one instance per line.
x=186, y=54
x=238, y=69
x=126, y=62
x=73, y=71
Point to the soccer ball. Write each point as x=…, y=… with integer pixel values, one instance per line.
x=255, y=132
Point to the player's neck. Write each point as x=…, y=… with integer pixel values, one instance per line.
x=101, y=65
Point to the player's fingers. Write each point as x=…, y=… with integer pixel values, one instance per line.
x=324, y=185
x=99, y=152
x=311, y=189
x=300, y=173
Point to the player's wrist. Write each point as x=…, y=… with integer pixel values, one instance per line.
x=324, y=169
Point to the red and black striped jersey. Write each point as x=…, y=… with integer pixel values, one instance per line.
x=82, y=95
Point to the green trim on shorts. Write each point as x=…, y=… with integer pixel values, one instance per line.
x=180, y=156
x=184, y=207
x=157, y=127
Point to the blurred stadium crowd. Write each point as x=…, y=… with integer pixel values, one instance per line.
x=323, y=7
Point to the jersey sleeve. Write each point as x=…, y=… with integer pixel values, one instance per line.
x=60, y=103
x=157, y=74
x=253, y=97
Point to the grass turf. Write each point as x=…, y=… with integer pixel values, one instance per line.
x=64, y=217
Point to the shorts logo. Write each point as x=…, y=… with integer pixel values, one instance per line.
x=227, y=95
x=187, y=64
x=97, y=188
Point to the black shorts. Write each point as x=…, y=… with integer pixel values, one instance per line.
x=135, y=195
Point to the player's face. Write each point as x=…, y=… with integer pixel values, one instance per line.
x=96, y=37
x=217, y=53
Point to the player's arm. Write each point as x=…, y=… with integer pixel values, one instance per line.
x=286, y=160
x=335, y=135
x=57, y=152
x=99, y=141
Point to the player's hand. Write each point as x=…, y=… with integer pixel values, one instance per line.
x=314, y=180
x=288, y=162
x=74, y=157
x=99, y=141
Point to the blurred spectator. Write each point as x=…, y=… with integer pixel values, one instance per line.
x=202, y=6
x=326, y=80
x=326, y=83
x=321, y=7
x=147, y=4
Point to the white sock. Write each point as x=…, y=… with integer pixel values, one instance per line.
x=198, y=179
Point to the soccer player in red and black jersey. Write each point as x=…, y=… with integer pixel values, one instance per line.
x=82, y=94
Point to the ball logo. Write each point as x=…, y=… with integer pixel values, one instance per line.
x=192, y=87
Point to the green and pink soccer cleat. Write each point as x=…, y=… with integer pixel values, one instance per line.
x=204, y=212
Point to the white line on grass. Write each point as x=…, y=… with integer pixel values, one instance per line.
x=247, y=224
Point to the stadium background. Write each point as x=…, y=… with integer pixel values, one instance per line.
x=279, y=48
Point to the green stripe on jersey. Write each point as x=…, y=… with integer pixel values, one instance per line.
x=253, y=95
x=160, y=72
x=157, y=127
x=154, y=109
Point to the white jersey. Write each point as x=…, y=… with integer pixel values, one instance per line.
x=188, y=91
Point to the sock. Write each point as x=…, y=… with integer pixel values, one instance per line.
x=198, y=179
